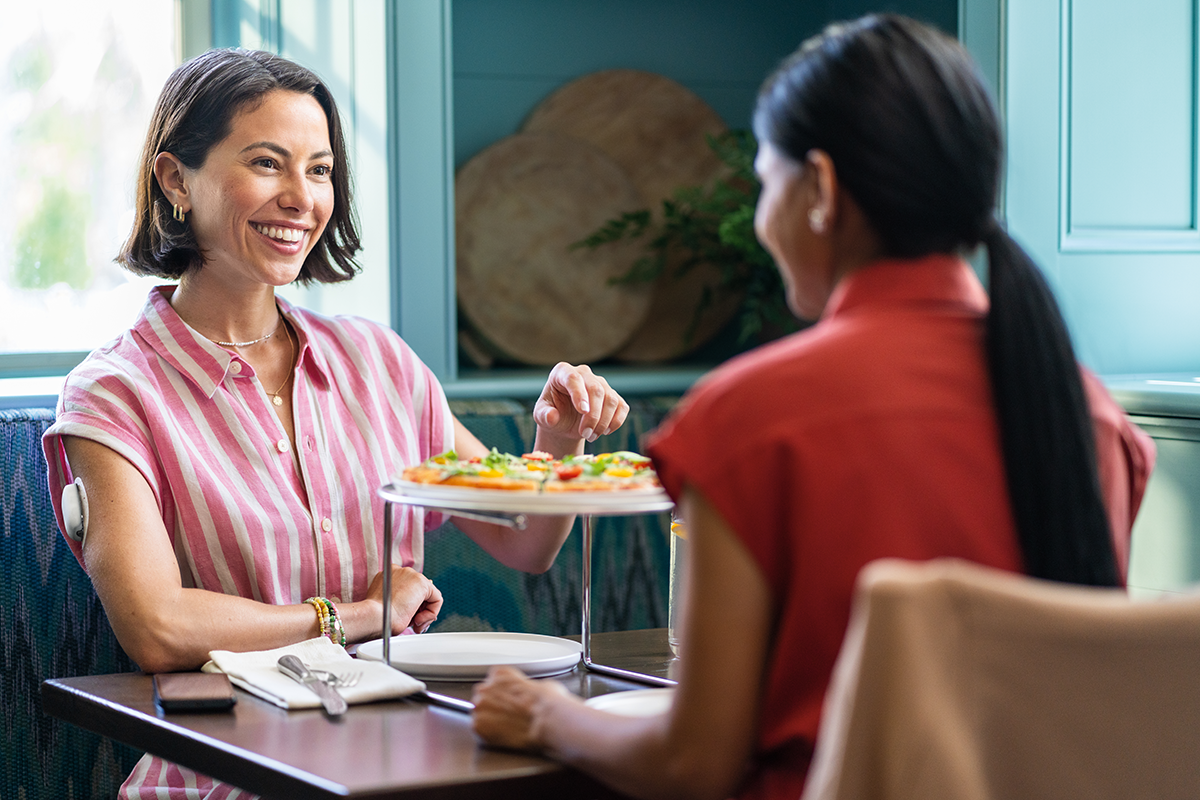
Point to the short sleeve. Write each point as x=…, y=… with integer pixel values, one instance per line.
x=708, y=444
x=99, y=406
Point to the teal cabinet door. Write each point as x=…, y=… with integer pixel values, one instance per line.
x=1103, y=176
x=1165, y=553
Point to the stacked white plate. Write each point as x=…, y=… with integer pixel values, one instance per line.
x=469, y=656
x=635, y=703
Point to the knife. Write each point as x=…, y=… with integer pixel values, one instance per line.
x=446, y=701
x=334, y=703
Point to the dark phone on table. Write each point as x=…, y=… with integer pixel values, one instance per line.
x=193, y=691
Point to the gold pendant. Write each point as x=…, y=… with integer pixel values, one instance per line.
x=277, y=400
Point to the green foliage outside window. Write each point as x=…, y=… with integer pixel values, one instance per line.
x=50, y=244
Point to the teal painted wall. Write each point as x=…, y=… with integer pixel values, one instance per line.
x=509, y=54
x=1103, y=172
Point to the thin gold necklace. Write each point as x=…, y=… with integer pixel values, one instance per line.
x=274, y=331
x=275, y=398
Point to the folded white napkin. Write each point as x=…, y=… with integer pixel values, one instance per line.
x=258, y=673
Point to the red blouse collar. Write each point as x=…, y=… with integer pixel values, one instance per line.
x=939, y=279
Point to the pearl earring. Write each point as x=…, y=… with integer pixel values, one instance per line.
x=816, y=220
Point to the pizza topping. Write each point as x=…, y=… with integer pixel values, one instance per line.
x=566, y=472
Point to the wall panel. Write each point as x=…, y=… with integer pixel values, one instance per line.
x=1129, y=135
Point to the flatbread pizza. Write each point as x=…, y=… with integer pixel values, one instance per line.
x=538, y=472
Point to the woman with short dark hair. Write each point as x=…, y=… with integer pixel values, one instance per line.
x=232, y=444
x=194, y=113
x=913, y=420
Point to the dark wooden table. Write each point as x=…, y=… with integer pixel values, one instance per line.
x=399, y=749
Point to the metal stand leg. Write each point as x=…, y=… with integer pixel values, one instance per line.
x=387, y=583
x=586, y=591
x=586, y=634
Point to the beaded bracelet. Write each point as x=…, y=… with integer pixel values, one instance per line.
x=329, y=619
x=336, y=631
x=318, y=603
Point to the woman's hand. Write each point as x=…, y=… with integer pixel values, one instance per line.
x=578, y=404
x=415, y=600
x=509, y=708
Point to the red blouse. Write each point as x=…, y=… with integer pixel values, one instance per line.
x=870, y=434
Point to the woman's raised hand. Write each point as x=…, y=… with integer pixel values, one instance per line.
x=577, y=404
x=415, y=600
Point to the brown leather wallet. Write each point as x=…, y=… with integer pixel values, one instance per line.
x=193, y=691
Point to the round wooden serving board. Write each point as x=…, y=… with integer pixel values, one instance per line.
x=520, y=204
x=667, y=332
x=656, y=129
x=652, y=126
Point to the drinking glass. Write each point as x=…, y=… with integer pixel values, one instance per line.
x=679, y=549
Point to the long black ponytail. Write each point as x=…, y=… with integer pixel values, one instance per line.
x=903, y=113
x=1046, y=430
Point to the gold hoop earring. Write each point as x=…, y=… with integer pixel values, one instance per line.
x=816, y=220
x=178, y=213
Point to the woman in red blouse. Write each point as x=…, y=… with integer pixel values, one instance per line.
x=917, y=418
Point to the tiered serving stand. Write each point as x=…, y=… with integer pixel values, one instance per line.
x=513, y=510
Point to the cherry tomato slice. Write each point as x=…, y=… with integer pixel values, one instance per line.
x=566, y=472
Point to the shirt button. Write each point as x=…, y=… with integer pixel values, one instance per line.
x=327, y=524
x=308, y=443
x=283, y=445
x=236, y=368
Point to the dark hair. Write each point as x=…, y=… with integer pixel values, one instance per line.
x=194, y=113
x=903, y=113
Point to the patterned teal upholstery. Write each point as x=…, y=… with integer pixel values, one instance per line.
x=54, y=625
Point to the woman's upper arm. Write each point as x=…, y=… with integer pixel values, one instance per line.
x=128, y=552
x=725, y=647
x=703, y=746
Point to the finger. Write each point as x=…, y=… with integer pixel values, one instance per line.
x=573, y=381
x=612, y=411
x=592, y=424
x=422, y=620
x=619, y=416
x=546, y=415
x=427, y=614
x=434, y=601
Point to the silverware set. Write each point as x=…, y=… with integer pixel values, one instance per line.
x=323, y=683
x=343, y=681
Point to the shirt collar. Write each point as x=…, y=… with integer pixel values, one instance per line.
x=202, y=361
x=937, y=280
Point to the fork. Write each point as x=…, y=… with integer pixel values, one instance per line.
x=343, y=681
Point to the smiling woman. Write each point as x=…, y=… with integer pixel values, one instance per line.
x=232, y=444
x=260, y=207
x=239, y=142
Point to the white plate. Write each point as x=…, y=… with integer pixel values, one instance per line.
x=469, y=498
x=635, y=703
x=468, y=656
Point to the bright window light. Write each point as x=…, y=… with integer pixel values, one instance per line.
x=78, y=81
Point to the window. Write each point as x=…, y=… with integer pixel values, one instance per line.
x=78, y=83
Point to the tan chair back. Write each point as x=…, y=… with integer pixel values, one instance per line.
x=961, y=682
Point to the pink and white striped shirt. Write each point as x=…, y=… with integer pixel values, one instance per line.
x=248, y=516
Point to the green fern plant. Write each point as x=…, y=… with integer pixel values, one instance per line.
x=711, y=225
